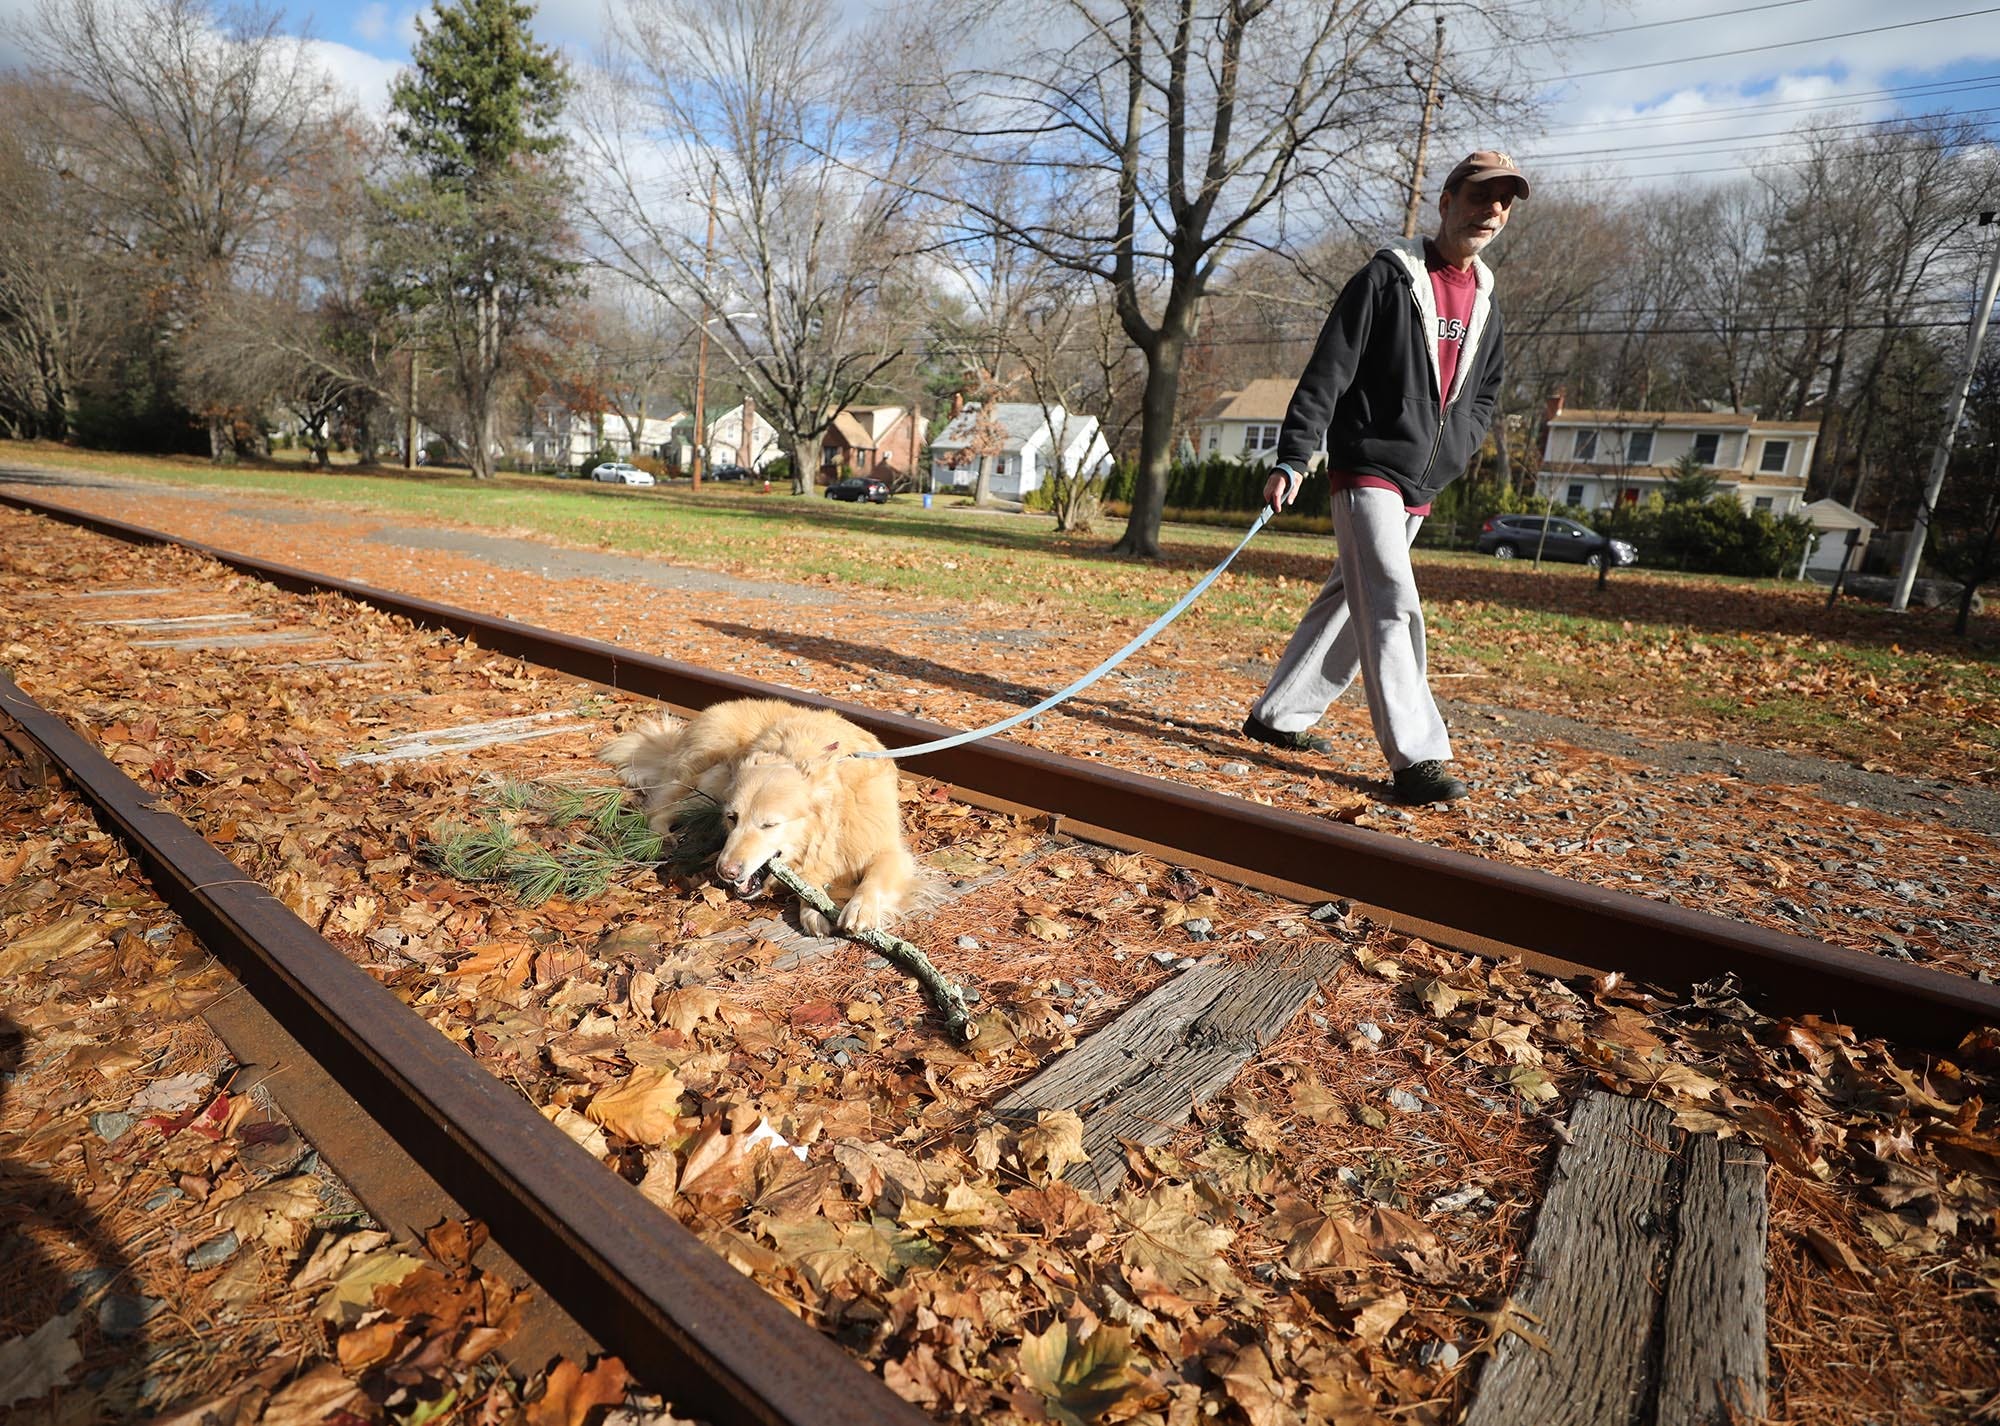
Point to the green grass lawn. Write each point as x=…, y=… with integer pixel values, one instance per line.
x=1760, y=660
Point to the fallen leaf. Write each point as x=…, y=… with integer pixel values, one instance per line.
x=573, y=1393
x=312, y=1398
x=34, y=1365
x=68, y=937
x=1170, y=1239
x=1055, y=1139
x=1079, y=1381
x=643, y=1109
x=273, y=1213
x=586, y=1134
x=1045, y=928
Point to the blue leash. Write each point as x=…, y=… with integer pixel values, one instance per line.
x=1082, y=683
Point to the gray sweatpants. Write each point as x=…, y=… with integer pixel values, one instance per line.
x=1367, y=620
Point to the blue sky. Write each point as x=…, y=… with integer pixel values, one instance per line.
x=1674, y=108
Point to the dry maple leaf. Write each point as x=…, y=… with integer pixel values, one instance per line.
x=1079, y=1381
x=1047, y=928
x=273, y=1213
x=573, y=1393
x=1055, y=1139
x=644, y=1109
x=1171, y=1240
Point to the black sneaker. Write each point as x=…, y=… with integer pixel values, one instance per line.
x=1427, y=781
x=1301, y=742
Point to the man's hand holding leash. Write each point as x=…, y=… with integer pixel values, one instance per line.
x=1282, y=488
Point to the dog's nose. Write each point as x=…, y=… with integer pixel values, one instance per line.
x=729, y=872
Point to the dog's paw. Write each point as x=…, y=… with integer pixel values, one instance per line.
x=814, y=923
x=866, y=911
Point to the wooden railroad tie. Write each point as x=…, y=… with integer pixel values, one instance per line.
x=1646, y=1277
x=1140, y=1077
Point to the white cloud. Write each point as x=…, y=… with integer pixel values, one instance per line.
x=1703, y=119
x=363, y=77
x=371, y=22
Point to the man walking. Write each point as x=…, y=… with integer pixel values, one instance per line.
x=1401, y=388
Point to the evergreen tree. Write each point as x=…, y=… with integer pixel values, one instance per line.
x=472, y=239
x=1692, y=483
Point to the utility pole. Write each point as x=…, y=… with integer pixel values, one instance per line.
x=701, y=350
x=1913, y=552
x=410, y=417
x=1415, y=209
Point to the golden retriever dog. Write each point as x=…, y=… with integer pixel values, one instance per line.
x=787, y=788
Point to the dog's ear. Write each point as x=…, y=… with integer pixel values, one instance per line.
x=821, y=761
x=763, y=757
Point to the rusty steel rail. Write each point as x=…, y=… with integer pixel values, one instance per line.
x=1460, y=900
x=681, y=1318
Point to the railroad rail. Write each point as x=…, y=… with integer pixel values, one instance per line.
x=1451, y=898
x=642, y=1284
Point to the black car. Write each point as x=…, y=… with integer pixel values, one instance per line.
x=730, y=472
x=859, y=487
x=1506, y=536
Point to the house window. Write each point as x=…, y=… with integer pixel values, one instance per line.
x=1586, y=445
x=1214, y=439
x=1259, y=438
x=1762, y=502
x=1774, y=456
x=1575, y=495
x=1707, y=444
x=1638, y=447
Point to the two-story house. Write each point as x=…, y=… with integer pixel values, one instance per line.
x=1243, y=425
x=883, y=441
x=741, y=436
x=1597, y=459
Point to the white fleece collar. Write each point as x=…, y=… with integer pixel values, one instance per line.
x=1410, y=253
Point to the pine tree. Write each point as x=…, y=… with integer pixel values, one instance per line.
x=472, y=238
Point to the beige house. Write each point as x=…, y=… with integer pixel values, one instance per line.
x=1598, y=459
x=1243, y=425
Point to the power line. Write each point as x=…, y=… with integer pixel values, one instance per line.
x=1687, y=19
x=1777, y=45
x=1738, y=168
x=1736, y=140
x=1937, y=89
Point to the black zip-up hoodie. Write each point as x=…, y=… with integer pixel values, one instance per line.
x=1371, y=389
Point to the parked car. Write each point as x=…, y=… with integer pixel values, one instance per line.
x=859, y=487
x=731, y=472
x=617, y=472
x=1506, y=536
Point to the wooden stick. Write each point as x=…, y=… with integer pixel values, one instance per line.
x=946, y=998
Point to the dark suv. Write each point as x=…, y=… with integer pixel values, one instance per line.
x=859, y=487
x=1505, y=536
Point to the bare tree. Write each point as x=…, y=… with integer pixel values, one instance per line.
x=60, y=309
x=1160, y=137
x=752, y=101
x=193, y=130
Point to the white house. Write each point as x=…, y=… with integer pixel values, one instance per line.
x=1831, y=522
x=1244, y=424
x=1597, y=459
x=726, y=443
x=564, y=436
x=1024, y=439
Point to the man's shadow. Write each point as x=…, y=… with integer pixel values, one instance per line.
x=83, y=1301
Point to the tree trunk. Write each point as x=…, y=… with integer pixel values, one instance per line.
x=982, y=489
x=805, y=466
x=1503, y=461
x=1156, y=441
x=221, y=448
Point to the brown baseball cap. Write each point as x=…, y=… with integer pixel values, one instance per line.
x=1483, y=164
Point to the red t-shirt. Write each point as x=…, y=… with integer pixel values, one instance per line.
x=1454, y=290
